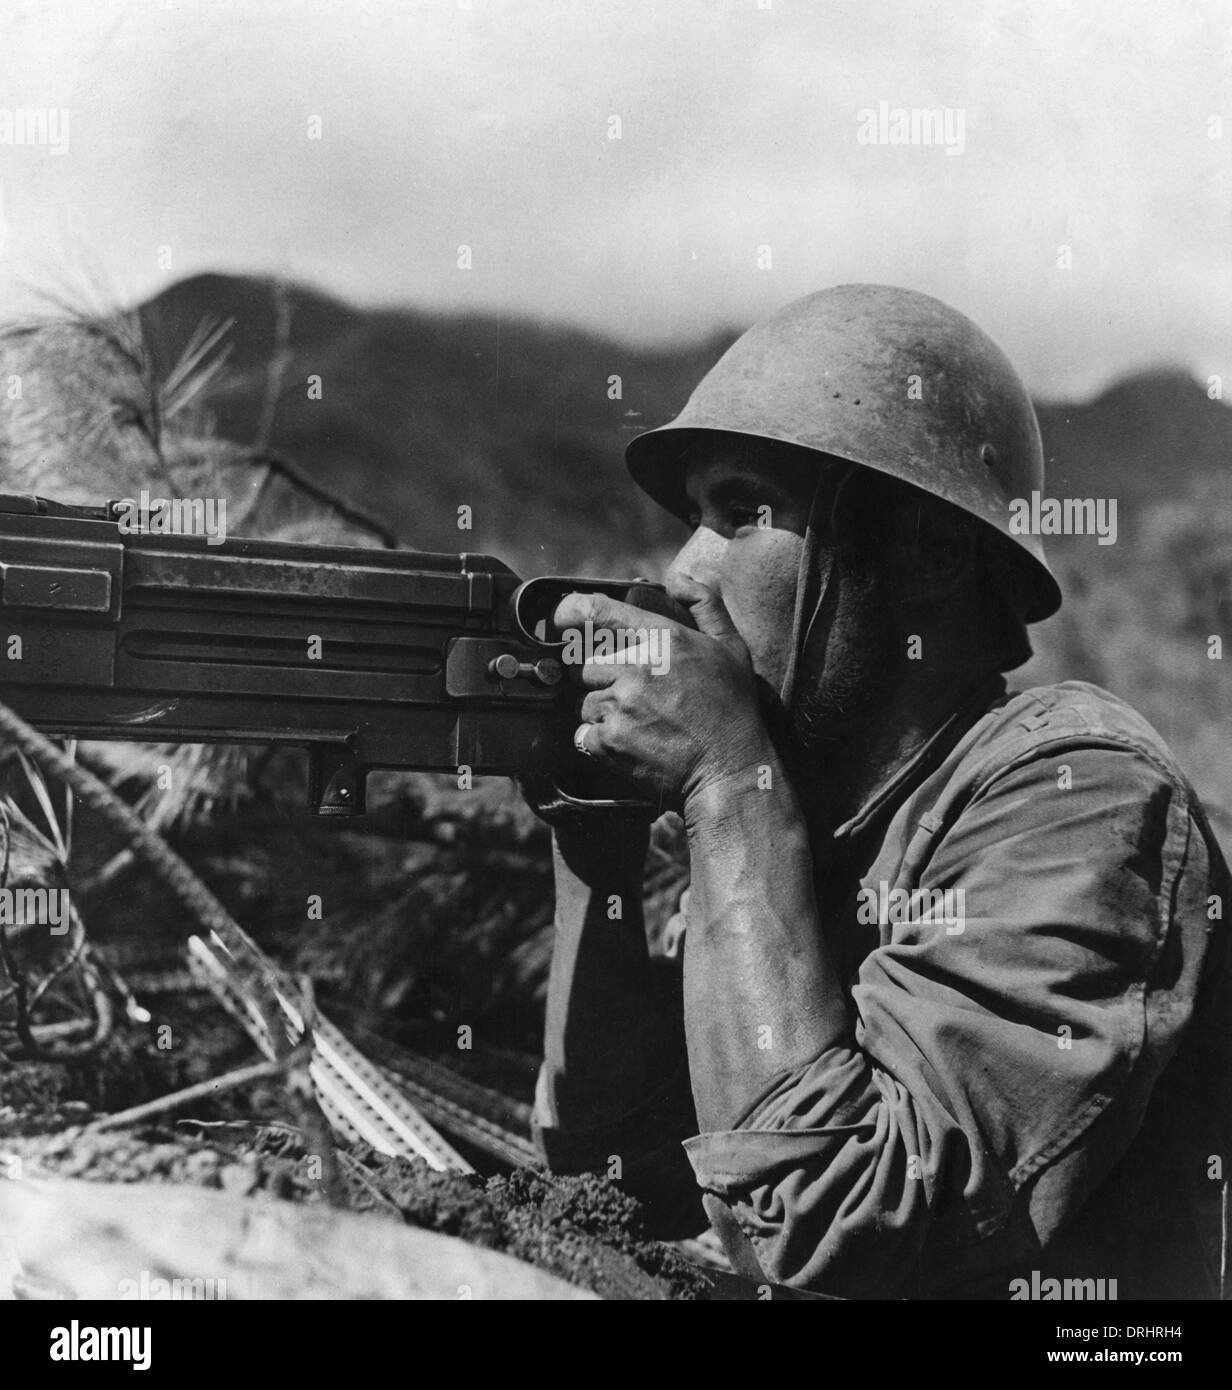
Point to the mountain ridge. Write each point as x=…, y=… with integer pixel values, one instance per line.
x=421, y=413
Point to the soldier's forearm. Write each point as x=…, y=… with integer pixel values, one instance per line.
x=761, y=993
x=612, y=1034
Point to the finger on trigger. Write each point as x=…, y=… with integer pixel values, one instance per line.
x=578, y=608
x=600, y=610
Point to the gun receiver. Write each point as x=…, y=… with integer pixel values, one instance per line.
x=366, y=658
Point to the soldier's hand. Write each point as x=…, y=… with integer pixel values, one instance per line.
x=677, y=710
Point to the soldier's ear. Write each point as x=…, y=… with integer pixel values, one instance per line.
x=932, y=553
x=926, y=548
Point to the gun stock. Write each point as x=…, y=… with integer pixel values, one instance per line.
x=365, y=658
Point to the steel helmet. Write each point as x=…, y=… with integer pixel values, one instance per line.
x=884, y=378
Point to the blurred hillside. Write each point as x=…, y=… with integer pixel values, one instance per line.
x=420, y=414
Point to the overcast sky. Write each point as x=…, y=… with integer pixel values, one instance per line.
x=446, y=123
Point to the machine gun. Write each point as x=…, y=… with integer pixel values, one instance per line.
x=366, y=658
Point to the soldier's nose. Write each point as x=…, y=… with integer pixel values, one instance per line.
x=698, y=559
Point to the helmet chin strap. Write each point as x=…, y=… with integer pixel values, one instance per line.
x=814, y=572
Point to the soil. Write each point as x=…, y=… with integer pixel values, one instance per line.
x=583, y=1229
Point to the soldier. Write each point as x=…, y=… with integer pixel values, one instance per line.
x=953, y=1009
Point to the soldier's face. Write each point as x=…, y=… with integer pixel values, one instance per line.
x=750, y=510
x=749, y=515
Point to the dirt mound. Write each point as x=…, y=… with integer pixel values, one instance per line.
x=582, y=1229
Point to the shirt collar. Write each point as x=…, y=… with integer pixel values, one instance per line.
x=909, y=774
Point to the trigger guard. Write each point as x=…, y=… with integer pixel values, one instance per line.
x=553, y=804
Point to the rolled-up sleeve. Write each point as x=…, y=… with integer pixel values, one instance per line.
x=905, y=1162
